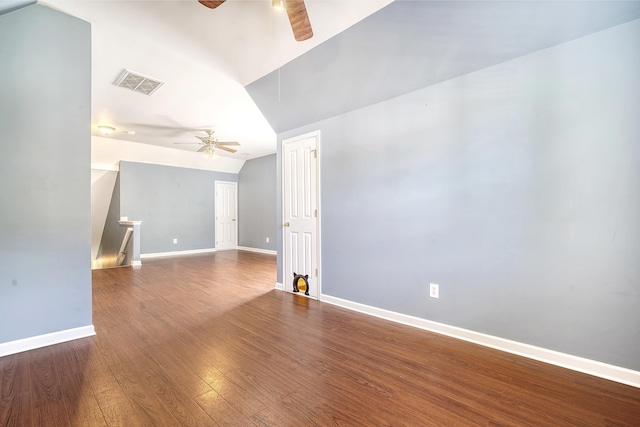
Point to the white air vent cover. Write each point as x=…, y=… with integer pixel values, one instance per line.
x=137, y=83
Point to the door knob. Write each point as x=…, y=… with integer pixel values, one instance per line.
x=286, y=224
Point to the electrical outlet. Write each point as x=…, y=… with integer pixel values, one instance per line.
x=267, y=240
x=175, y=241
x=434, y=290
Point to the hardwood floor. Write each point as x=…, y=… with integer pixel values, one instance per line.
x=205, y=340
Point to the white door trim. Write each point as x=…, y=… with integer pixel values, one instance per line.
x=215, y=188
x=316, y=135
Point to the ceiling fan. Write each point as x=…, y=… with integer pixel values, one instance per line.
x=209, y=144
x=296, y=11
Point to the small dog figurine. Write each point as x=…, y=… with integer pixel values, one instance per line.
x=300, y=283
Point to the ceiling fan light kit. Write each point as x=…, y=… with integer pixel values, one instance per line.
x=210, y=144
x=296, y=11
x=208, y=151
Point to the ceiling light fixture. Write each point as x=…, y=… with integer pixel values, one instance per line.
x=106, y=130
x=277, y=4
x=209, y=152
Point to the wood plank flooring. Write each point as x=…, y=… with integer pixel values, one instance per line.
x=206, y=341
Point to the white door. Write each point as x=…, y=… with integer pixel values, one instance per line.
x=226, y=215
x=301, y=252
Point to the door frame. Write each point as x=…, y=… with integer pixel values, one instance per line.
x=316, y=135
x=215, y=201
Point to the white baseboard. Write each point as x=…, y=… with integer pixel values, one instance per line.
x=177, y=253
x=580, y=364
x=260, y=251
x=136, y=263
x=279, y=286
x=38, y=341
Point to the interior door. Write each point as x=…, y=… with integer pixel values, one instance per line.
x=226, y=215
x=301, y=252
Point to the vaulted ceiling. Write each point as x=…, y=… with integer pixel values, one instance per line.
x=203, y=56
x=363, y=51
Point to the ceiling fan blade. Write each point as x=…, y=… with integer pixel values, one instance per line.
x=204, y=147
x=228, y=143
x=187, y=143
x=299, y=19
x=211, y=4
x=230, y=150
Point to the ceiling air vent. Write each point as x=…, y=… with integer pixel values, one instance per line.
x=137, y=83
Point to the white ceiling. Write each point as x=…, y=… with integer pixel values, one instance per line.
x=205, y=57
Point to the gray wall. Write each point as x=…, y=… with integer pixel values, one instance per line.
x=172, y=203
x=257, y=203
x=408, y=45
x=516, y=188
x=45, y=202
